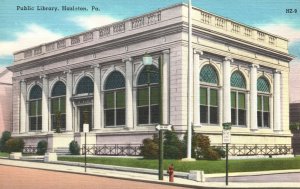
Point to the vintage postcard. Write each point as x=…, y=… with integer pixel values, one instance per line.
x=167, y=94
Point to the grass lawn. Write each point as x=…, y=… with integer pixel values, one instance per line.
x=207, y=166
x=4, y=154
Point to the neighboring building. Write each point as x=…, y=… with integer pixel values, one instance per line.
x=6, y=100
x=240, y=75
x=295, y=92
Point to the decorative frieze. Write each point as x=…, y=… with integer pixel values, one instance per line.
x=61, y=44
x=219, y=22
x=105, y=31
x=75, y=40
x=235, y=28
x=37, y=51
x=87, y=36
x=137, y=22
x=154, y=17
x=271, y=40
x=248, y=32
x=50, y=47
x=261, y=36
x=28, y=53
x=205, y=18
x=118, y=28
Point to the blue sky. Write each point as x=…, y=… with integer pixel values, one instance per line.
x=23, y=29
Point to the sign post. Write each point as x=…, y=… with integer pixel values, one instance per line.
x=226, y=140
x=85, y=130
x=161, y=128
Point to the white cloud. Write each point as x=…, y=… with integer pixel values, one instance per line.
x=32, y=35
x=284, y=30
x=93, y=21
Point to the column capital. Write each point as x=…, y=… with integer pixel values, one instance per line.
x=197, y=51
x=95, y=66
x=43, y=76
x=228, y=58
x=23, y=81
x=277, y=71
x=129, y=59
x=254, y=66
x=166, y=51
x=67, y=71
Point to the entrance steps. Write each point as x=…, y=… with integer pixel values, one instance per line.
x=62, y=151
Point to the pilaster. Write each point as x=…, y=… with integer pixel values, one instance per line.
x=97, y=98
x=45, y=105
x=23, y=105
x=165, y=86
x=69, y=112
x=277, y=101
x=253, y=97
x=196, y=86
x=226, y=89
x=128, y=93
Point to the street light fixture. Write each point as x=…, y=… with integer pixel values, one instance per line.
x=148, y=61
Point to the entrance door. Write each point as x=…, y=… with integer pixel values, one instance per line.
x=85, y=116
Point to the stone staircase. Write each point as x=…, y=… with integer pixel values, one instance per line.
x=62, y=151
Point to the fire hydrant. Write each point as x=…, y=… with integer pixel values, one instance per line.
x=171, y=173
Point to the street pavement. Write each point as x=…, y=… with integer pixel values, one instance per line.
x=214, y=180
x=283, y=177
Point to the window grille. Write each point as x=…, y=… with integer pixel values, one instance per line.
x=85, y=85
x=208, y=74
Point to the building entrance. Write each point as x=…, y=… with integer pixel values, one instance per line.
x=85, y=117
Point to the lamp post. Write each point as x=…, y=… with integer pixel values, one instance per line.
x=147, y=61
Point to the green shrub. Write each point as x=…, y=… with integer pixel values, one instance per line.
x=172, y=146
x=202, y=141
x=74, y=148
x=14, y=145
x=211, y=154
x=6, y=135
x=220, y=151
x=203, y=150
x=42, y=147
x=149, y=150
x=295, y=126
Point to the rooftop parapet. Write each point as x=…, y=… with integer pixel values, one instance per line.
x=153, y=19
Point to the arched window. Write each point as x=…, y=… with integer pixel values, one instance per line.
x=85, y=85
x=238, y=99
x=263, y=102
x=209, y=95
x=114, y=100
x=35, y=108
x=148, y=96
x=58, y=106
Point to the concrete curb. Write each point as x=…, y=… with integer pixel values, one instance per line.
x=121, y=168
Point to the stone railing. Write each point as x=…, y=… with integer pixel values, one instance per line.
x=92, y=35
x=240, y=30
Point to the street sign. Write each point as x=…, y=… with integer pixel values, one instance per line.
x=163, y=127
x=226, y=137
x=85, y=128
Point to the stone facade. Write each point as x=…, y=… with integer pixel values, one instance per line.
x=6, y=100
x=223, y=44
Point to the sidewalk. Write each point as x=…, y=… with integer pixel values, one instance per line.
x=144, y=177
